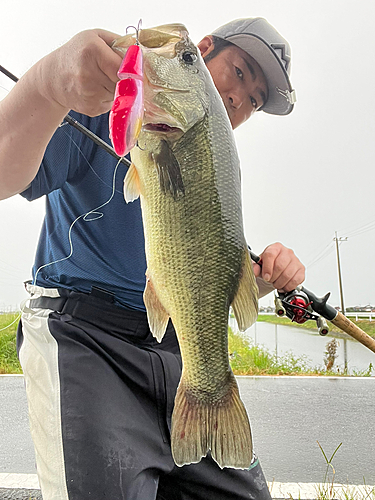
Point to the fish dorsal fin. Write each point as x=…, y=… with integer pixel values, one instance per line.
x=132, y=188
x=156, y=314
x=245, y=302
x=168, y=170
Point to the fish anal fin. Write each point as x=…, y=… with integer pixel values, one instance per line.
x=132, y=188
x=222, y=427
x=156, y=314
x=245, y=302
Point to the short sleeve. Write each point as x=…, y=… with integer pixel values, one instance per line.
x=62, y=161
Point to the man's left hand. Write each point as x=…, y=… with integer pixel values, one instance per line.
x=280, y=267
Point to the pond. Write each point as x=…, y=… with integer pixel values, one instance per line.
x=282, y=339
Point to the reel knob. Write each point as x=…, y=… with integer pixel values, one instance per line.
x=279, y=308
x=322, y=326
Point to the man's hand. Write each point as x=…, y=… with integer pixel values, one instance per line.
x=82, y=74
x=280, y=267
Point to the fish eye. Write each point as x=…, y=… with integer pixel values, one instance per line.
x=189, y=57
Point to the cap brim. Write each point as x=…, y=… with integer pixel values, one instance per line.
x=273, y=69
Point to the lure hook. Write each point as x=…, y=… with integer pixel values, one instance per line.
x=137, y=30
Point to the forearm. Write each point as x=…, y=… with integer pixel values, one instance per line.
x=81, y=75
x=28, y=120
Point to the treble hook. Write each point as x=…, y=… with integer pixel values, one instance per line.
x=137, y=30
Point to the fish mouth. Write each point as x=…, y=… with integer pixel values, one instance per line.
x=161, y=128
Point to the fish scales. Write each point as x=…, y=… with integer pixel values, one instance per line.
x=187, y=250
x=186, y=171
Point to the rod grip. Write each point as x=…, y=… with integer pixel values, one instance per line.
x=354, y=331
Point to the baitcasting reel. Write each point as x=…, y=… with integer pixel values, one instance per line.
x=296, y=305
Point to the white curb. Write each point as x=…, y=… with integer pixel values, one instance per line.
x=319, y=490
x=296, y=491
x=25, y=481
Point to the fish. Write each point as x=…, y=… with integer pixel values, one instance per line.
x=186, y=171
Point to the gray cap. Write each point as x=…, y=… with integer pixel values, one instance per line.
x=271, y=51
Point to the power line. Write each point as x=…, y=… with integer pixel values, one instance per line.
x=368, y=226
x=322, y=255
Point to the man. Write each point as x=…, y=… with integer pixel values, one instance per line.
x=100, y=388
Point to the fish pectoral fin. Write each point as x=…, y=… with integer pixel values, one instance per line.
x=168, y=170
x=222, y=427
x=156, y=314
x=245, y=302
x=132, y=188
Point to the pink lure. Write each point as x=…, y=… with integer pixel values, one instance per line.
x=125, y=118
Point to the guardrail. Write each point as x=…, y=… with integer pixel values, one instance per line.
x=349, y=314
x=356, y=315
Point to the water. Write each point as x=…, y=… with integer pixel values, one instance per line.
x=282, y=339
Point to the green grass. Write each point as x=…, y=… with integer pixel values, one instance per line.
x=366, y=325
x=328, y=490
x=247, y=358
x=8, y=356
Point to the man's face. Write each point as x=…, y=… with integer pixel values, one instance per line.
x=239, y=80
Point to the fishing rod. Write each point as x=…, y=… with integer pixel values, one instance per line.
x=301, y=305
x=77, y=125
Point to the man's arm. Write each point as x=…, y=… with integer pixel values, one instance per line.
x=81, y=75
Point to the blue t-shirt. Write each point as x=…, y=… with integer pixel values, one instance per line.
x=77, y=176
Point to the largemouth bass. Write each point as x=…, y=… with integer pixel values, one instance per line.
x=186, y=171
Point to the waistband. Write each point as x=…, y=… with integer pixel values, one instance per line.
x=97, y=307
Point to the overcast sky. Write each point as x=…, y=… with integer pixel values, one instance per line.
x=305, y=175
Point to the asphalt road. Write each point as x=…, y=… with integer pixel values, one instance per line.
x=288, y=416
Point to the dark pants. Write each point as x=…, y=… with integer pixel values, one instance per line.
x=101, y=391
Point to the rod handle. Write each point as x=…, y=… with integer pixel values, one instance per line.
x=354, y=331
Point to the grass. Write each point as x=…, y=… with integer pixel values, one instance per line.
x=366, y=325
x=8, y=355
x=247, y=358
x=328, y=490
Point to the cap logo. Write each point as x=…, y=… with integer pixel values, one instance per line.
x=279, y=48
x=291, y=97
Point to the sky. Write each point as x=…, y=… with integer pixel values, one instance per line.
x=305, y=176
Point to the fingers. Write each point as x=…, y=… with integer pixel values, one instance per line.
x=281, y=267
x=109, y=61
x=257, y=270
x=82, y=74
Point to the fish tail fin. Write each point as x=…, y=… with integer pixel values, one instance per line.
x=222, y=427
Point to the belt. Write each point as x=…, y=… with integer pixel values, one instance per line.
x=96, y=308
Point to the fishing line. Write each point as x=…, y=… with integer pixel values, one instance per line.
x=12, y=323
x=87, y=161
x=96, y=215
x=86, y=218
x=7, y=91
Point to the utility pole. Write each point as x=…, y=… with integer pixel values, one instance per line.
x=336, y=239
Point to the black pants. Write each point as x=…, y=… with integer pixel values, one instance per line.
x=101, y=392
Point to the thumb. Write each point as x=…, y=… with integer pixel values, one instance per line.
x=110, y=60
x=257, y=270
